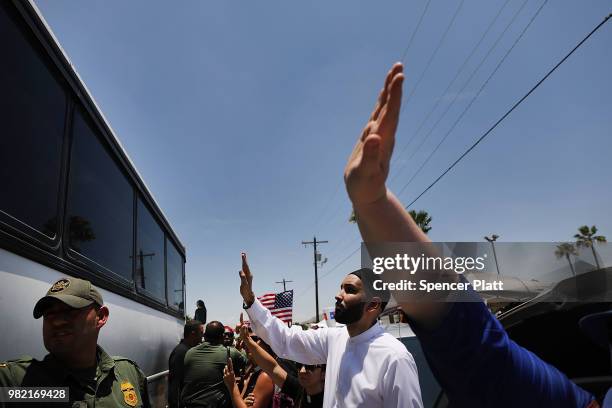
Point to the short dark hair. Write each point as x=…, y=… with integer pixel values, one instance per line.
x=191, y=326
x=200, y=303
x=214, y=332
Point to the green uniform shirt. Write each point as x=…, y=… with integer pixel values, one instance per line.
x=116, y=381
x=203, y=375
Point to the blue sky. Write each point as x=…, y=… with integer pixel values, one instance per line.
x=240, y=116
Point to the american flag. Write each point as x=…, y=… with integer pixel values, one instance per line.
x=279, y=304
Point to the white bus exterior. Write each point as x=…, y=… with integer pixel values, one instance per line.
x=73, y=204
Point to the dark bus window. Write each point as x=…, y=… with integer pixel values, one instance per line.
x=32, y=114
x=100, y=203
x=149, y=254
x=174, y=267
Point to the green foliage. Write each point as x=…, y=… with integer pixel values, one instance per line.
x=422, y=219
x=587, y=238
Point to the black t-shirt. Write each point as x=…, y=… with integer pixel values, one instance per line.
x=200, y=315
x=175, y=376
x=312, y=401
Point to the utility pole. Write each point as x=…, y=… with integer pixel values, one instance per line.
x=314, y=242
x=492, y=240
x=284, y=282
x=141, y=256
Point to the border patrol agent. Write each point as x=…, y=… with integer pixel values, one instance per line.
x=73, y=314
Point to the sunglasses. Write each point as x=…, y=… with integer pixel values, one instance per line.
x=307, y=367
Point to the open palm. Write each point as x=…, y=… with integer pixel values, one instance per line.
x=367, y=169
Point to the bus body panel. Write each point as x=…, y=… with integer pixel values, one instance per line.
x=135, y=331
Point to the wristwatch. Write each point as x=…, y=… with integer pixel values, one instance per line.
x=245, y=306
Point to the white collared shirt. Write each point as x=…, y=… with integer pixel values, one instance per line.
x=372, y=369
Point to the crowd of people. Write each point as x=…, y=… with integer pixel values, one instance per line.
x=222, y=371
x=274, y=365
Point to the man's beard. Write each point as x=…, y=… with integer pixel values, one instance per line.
x=349, y=315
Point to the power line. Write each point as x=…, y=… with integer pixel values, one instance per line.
x=326, y=207
x=481, y=138
x=284, y=282
x=469, y=105
x=433, y=55
x=415, y=31
x=340, y=263
x=329, y=272
x=410, y=41
x=452, y=82
x=465, y=84
x=486, y=133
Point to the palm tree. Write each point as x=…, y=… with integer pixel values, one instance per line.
x=587, y=239
x=422, y=219
x=565, y=250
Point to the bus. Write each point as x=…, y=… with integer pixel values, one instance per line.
x=73, y=204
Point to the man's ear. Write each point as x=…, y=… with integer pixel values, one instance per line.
x=374, y=303
x=102, y=316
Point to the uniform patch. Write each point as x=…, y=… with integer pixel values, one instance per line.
x=129, y=395
x=60, y=285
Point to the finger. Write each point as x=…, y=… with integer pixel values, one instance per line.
x=230, y=365
x=383, y=96
x=245, y=264
x=243, y=278
x=389, y=118
x=241, y=319
x=244, y=332
x=370, y=162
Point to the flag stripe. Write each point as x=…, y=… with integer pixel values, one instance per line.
x=279, y=304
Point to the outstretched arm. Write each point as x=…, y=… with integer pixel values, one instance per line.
x=229, y=379
x=262, y=358
x=469, y=327
x=308, y=347
x=380, y=215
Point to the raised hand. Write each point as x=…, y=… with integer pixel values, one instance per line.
x=246, y=282
x=228, y=375
x=244, y=331
x=367, y=169
x=250, y=400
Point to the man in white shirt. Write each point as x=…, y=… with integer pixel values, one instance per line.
x=366, y=367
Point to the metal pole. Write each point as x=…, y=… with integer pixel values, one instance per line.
x=315, y=242
x=284, y=281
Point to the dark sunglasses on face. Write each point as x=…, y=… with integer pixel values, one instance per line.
x=307, y=367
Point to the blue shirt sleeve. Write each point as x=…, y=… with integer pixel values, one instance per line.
x=478, y=365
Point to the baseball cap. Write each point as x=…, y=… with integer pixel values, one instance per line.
x=76, y=293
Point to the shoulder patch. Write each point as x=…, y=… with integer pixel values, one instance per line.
x=129, y=394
